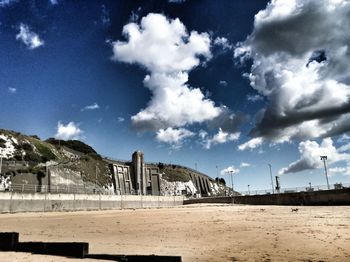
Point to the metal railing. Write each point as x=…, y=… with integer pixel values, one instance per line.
x=295, y=189
x=58, y=189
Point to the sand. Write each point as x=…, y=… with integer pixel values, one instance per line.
x=196, y=232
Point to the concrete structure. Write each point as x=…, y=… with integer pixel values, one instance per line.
x=141, y=178
x=135, y=177
x=326, y=197
x=11, y=202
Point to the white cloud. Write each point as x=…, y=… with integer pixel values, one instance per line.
x=301, y=63
x=229, y=170
x=220, y=138
x=254, y=98
x=105, y=19
x=223, y=43
x=29, y=38
x=69, y=131
x=121, y=119
x=310, y=152
x=94, y=106
x=174, y=137
x=223, y=82
x=244, y=164
x=165, y=48
x=6, y=2
x=340, y=170
x=251, y=144
x=176, y=1
x=12, y=90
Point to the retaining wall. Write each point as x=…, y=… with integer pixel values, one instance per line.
x=11, y=202
x=326, y=197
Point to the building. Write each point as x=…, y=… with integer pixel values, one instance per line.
x=135, y=177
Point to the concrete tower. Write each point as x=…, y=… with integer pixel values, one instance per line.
x=139, y=178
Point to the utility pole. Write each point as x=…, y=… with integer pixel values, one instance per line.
x=195, y=165
x=249, y=189
x=273, y=190
x=324, y=158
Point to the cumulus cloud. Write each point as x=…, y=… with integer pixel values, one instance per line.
x=229, y=170
x=174, y=137
x=29, y=38
x=251, y=144
x=310, y=152
x=227, y=120
x=69, y=131
x=301, y=63
x=94, y=106
x=12, y=90
x=220, y=138
x=165, y=49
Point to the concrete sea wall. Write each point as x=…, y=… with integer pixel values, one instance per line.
x=11, y=202
x=326, y=197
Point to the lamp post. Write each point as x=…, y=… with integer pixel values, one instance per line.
x=1, y=161
x=249, y=189
x=273, y=190
x=231, y=172
x=324, y=158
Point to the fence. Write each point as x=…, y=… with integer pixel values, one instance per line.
x=62, y=189
x=295, y=189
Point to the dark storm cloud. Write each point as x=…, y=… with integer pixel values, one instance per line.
x=301, y=63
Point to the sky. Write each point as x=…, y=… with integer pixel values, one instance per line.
x=229, y=86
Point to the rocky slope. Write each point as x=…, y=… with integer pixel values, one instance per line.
x=28, y=160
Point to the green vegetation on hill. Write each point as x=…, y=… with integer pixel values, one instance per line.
x=173, y=173
x=75, y=145
x=37, y=152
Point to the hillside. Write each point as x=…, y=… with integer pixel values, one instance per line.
x=71, y=163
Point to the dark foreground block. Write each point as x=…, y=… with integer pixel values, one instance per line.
x=136, y=258
x=8, y=240
x=69, y=249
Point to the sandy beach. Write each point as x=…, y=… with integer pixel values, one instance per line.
x=195, y=232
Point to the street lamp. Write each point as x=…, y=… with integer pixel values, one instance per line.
x=249, y=189
x=273, y=190
x=324, y=158
x=231, y=172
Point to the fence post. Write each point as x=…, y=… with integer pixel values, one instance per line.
x=11, y=202
x=22, y=188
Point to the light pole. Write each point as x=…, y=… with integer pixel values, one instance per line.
x=1, y=161
x=249, y=189
x=231, y=172
x=96, y=180
x=324, y=158
x=273, y=190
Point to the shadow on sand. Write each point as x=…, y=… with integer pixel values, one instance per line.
x=9, y=241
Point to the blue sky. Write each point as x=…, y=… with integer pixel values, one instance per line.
x=236, y=85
